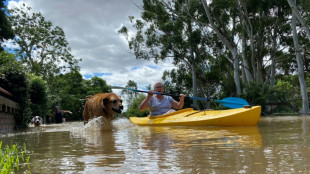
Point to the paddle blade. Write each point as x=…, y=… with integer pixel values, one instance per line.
x=233, y=102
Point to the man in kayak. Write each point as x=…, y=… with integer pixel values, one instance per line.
x=160, y=104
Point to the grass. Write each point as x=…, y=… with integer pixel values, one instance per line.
x=12, y=157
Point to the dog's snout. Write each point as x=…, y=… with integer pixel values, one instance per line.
x=121, y=107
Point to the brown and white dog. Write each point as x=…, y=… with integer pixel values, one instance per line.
x=102, y=104
x=37, y=121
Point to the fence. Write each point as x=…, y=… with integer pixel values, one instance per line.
x=7, y=110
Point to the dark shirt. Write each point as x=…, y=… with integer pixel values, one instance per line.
x=58, y=117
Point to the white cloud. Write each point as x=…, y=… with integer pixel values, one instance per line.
x=91, y=30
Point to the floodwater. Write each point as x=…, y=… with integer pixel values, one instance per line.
x=279, y=144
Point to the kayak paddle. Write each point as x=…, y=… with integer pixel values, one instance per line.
x=230, y=102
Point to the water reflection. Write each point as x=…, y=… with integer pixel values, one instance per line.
x=101, y=149
x=286, y=144
x=223, y=137
x=190, y=150
x=276, y=145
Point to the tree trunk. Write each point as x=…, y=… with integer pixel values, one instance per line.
x=194, y=83
x=248, y=26
x=303, y=88
x=295, y=11
x=232, y=48
x=236, y=71
x=273, y=57
x=259, y=60
x=243, y=78
x=245, y=63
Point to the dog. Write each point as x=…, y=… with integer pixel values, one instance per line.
x=102, y=104
x=37, y=121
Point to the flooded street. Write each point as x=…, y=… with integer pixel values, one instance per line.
x=276, y=145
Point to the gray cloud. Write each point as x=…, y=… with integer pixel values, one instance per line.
x=91, y=30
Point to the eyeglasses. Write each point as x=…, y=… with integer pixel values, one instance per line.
x=157, y=87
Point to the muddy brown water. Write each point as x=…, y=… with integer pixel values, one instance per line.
x=278, y=144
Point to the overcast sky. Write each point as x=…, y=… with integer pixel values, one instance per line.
x=91, y=29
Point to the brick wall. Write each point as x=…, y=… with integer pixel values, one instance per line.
x=7, y=110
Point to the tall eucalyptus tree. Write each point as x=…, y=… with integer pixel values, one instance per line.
x=6, y=31
x=227, y=37
x=303, y=86
x=42, y=47
x=167, y=31
x=298, y=15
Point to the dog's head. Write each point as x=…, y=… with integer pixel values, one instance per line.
x=37, y=120
x=113, y=103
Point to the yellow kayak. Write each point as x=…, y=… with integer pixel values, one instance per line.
x=189, y=117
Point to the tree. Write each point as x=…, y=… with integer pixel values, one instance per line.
x=167, y=31
x=296, y=12
x=42, y=47
x=133, y=107
x=303, y=86
x=130, y=95
x=229, y=43
x=252, y=36
x=6, y=31
x=72, y=94
x=69, y=91
x=38, y=96
x=97, y=85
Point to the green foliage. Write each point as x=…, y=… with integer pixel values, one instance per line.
x=129, y=95
x=283, y=91
x=38, y=90
x=38, y=96
x=96, y=85
x=7, y=59
x=175, y=30
x=41, y=46
x=178, y=80
x=14, y=80
x=133, y=108
x=228, y=87
x=177, y=89
x=6, y=31
x=12, y=158
x=72, y=93
x=254, y=94
x=181, y=32
x=166, y=33
x=64, y=91
x=69, y=91
x=73, y=104
x=281, y=95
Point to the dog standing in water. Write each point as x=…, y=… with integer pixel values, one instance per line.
x=37, y=121
x=102, y=104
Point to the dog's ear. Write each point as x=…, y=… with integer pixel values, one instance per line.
x=32, y=120
x=105, y=100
